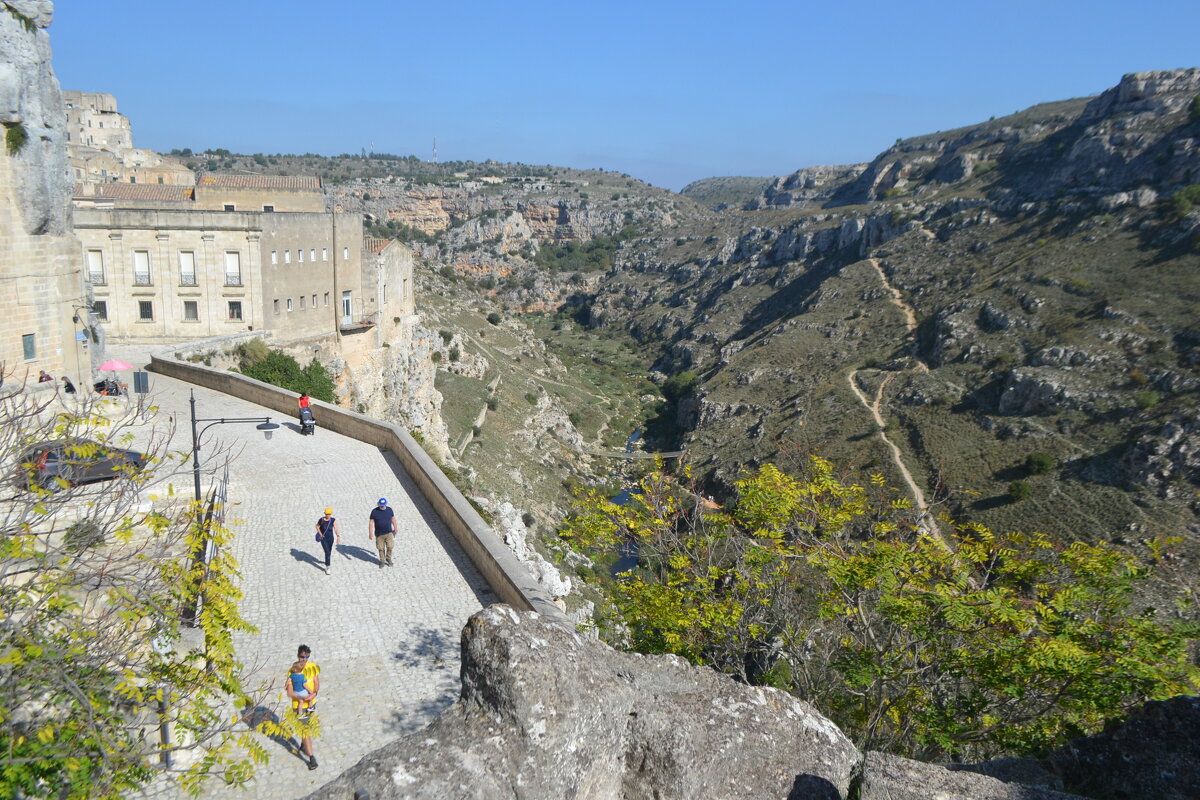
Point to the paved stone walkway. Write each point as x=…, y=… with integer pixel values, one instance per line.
x=387, y=640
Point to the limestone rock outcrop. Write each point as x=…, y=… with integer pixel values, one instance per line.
x=548, y=713
x=30, y=102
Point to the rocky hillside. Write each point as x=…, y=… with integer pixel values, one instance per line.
x=1022, y=288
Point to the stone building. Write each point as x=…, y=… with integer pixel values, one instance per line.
x=234, y=254
x=43, y=305
x=100, y=146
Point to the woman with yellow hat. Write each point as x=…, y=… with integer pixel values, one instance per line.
x=327, y=531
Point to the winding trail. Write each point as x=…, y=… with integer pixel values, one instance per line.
x=873, y=406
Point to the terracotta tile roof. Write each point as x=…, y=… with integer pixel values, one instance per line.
x=376, y=246
x=259, y=181
x=141, y=191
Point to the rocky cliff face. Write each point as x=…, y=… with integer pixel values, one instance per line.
x=546, y=713
x=31, y=103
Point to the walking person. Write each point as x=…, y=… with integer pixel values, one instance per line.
x=382, y=528
x=304, y=705
x=327, y=531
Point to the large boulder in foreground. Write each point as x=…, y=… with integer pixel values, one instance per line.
x=548, y=713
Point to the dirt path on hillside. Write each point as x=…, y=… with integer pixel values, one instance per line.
x=875, y=406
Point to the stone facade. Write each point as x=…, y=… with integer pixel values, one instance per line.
x=100, y=146
x=44, y=294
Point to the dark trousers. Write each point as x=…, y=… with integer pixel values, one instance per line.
x=327, y=543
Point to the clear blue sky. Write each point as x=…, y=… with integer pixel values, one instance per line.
x=667, y=91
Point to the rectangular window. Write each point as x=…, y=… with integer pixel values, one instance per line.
x=324, y=253
x=287, y=256
x=345, y=254
x=145, y=311
x=95, y=266
x=327, y=298
x=385, y=293
x=233, y=268
x=29, y=346
x=301, y=302
x=229, y=207
x=275, y=305
x=141, y=267
x=268, y=209
x=274, y=256
x=312, y=254
x=191, y=311
x=187, y=268
x=235, y=310
x=314, y=301
x=300, y=255
x=100, y=310
x=289, y=304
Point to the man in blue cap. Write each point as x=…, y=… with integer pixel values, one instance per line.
x=382, y=529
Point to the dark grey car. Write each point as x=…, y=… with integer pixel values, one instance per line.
x=75, y=462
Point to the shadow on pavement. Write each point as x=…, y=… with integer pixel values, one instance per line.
x=354, y=551
x=413, y=718
x=426, y=648
x=254, y=716
x=308, y=558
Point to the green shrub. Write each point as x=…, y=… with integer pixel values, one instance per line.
x=494, y=318
x=527, y=519
x=280, y=369
x=446, y=336
x=493, y=404
x=14, y=137
x=455, y=354
x=1018, y=491
x=1146, y=399
x=251, y=352
x=436, y=357
x=1040, y=463
x=532, y=398
x=679, y=386
x=575, y=418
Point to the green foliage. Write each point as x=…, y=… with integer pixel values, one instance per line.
x=677, y=387
x=531, y=398
x=15, y=137
x=1183, y=201
x=493, y=404
x=955, y=642
x=455, y=354
x=494, y=317
x=280, y=369
x=1040, y=463
x=253, y=351
x=98, y=659
x=446, y=336
x=1146, y=399
x=590, y=256
x=1019, y=490
x=436, y=356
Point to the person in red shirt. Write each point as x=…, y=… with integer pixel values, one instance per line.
x=303, y=401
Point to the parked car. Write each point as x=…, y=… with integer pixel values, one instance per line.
x=79, y=461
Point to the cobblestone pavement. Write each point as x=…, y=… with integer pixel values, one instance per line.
x=386, y=639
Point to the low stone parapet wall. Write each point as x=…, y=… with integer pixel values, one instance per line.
x=504, y=573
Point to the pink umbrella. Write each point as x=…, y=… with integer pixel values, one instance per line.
x=109, y=386
x=114, y=366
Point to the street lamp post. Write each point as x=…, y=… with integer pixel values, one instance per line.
x=265, y=425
